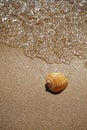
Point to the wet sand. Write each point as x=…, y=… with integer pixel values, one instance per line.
x=24, y=103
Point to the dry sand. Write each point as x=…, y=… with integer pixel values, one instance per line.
x=24, y=103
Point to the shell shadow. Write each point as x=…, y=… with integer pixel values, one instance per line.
x=48, y=90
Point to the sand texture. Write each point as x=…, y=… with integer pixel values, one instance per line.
x=24, y=103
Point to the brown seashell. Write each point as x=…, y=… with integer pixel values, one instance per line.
x=56, y=82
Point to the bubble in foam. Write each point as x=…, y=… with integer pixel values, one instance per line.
x=85, y=64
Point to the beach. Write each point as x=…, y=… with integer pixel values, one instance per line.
x=26, y=105
x=38, y=37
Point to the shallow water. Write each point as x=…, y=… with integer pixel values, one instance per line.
x=55, y=31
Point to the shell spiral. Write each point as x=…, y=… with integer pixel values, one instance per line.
x=56, y=82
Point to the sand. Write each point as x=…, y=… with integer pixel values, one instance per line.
x=26, y=105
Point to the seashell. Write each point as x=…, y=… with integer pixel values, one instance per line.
x=56, y=82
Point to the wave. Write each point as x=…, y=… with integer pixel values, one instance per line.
x=55, y=31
